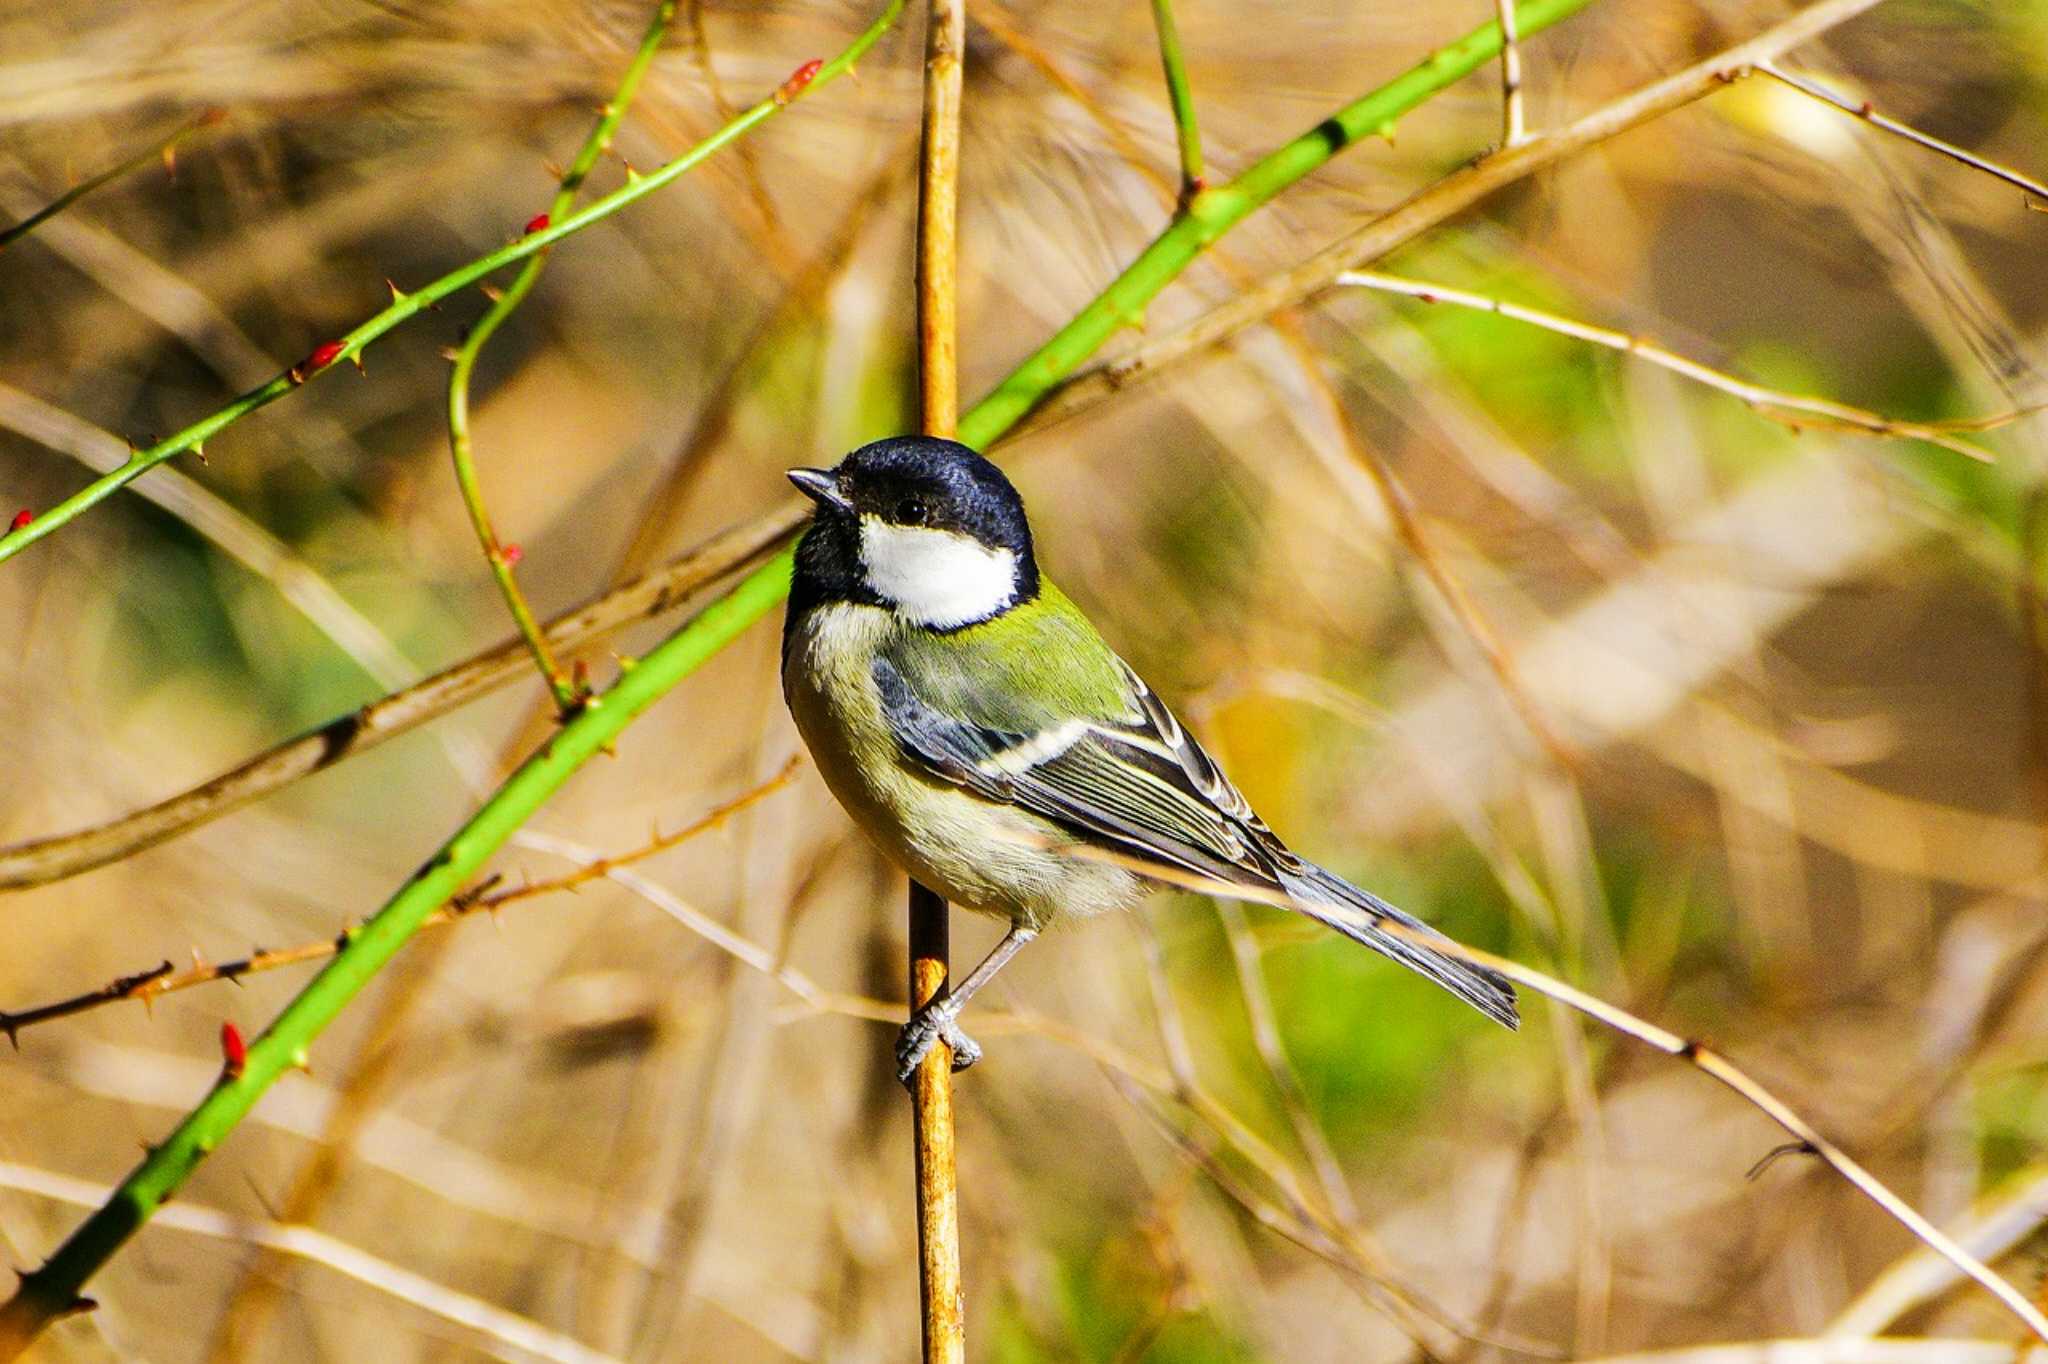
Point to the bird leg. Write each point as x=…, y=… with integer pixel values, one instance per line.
x=940, y=1018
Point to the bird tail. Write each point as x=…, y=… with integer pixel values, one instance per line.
x=1330, y=899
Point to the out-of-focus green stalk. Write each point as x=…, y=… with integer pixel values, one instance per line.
x=567, y=695
x=405, y=307
x=1181, y=95
x=10, y=235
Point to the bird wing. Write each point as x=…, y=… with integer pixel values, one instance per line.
x=1136, y=782
x=1139, y=784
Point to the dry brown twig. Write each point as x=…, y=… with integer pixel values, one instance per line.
x=1790, y=409
x=148, y=985
x=2035, y=191
x=942, y=1297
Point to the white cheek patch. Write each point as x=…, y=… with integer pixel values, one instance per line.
x=938, y=578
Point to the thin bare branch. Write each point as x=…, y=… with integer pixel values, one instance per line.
x=1791, y=409
x=1864, y=110
x=148, y=984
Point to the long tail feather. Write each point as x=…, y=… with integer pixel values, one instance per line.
x=1357, y=914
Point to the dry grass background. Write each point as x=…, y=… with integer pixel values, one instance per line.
x=1802, y=677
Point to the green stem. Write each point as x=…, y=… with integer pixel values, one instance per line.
x=405, y=307
x=1182, y=96
x=54, y=1289
x=567, y=695
x=1215, y=211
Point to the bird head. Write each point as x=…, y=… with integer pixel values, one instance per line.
x=924, y=527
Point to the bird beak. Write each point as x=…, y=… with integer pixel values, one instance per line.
x=821, y=487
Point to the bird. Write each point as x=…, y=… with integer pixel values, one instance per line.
x=978, y=728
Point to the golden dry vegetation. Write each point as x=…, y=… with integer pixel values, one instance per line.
x=1725, y=712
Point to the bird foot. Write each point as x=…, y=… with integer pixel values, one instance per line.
x=929, y=1026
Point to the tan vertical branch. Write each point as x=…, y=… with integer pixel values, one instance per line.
x=938, y=1202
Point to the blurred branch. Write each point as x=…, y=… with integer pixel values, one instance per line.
x=1514, y=129
x=1864, y=110
x=1789, y=409
x=1406, y=520
x=1692, y=1052
x=663, y=505
x=235, y=535
x=1334, y=1231
x=1181, y=95
x=2002, y=1224
x=148, y=985
x=165, y=150
x=750, y=166
x=404, y=307
x=52, y=859
x=1946, y=1350
x=568, y=694
x=1436, y=203
x=942, y=1297
x=507, y=1330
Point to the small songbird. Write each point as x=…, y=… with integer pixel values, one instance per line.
x=976, y=727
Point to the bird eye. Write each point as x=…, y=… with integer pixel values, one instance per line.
x=912, y=512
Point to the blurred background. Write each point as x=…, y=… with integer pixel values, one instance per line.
x=1737, y=726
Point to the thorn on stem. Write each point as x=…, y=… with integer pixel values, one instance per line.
x=798, y=80
x=511, y=554
x=537, y=223
x=234, y=1052
x=20, y=521
x=397, y=294
x=199, y=446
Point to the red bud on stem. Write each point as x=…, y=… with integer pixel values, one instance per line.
x=798, y=79
x=234, y=1052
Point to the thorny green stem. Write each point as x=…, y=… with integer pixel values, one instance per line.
x=10, y=235
x=53, y=1290
x=568, y=695
x=1216, y=210
x=404, y=307
x=1181, y=95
